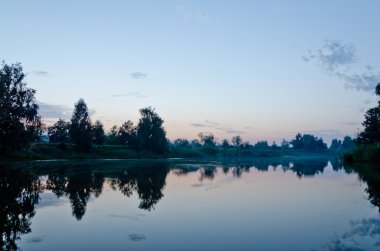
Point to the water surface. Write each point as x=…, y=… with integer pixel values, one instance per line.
x=260, y=204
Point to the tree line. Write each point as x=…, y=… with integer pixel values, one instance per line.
x=301, y=142
x=148, y=135
x=20, y=124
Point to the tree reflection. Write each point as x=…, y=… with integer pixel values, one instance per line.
x=302, y=167
x=309, y=168
x=148, y=180
x=207, y=173
x=77, y=186
x=371, y=176
x=19, y=193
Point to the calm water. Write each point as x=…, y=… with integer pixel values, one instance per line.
x=267, y=204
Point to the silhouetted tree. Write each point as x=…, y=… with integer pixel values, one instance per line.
x=336, y=145
x=207, y=139
x=59, y=132
x=371, y=133
x=209, y=143
x=297, y=142
x=98, y=135
x=181, y=143
x=195, y=143
x=111, y=137
x=348, y=144
x=262, y=145
x=246, y=145
x=236, y=141
x=371, y=124
x=80, y=128
x=274, y=146
x=308, y=142
x=225, y=144
x=127, y=134
x=151, y=135
x=284, y=144
x=19, y=120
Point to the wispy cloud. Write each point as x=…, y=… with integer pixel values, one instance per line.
x=130, y=94
x=338, y=59
x=326, y=134
x=202, y=16
x=41, y=73
x=332, y=55
x=217, y=126
x=189, y=13
x=230, y=130
x=212, y=123
x=365, y=81
x=138, y=75
x=54, y=111
x=199, y=125
x=350, y=123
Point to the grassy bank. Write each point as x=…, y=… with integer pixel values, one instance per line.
x=46, y=151
x=363, y=154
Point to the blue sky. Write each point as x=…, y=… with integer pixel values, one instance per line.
x=260, y=69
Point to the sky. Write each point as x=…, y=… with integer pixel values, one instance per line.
x=263, y=70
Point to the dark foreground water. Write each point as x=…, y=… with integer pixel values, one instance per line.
x=267, y=204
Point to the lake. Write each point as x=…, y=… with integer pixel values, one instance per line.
x=251, y=204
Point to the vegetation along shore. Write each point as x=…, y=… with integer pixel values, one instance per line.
x=23, y=135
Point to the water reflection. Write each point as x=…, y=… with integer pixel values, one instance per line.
x=19, y=193
x=77, y=186
x=301, y=167
x=21, y=185
x=371, y=176
x=147, y=180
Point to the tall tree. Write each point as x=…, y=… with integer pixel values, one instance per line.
x=98, y=135
x=59, y=132
x=308, y=142
x=236, y=140
x=208, y=140
x=336, y=145
x=111, y=137
x=181, y=143
x=347, y=144
x=151, y=135
x=127, y=134
x=80, y=129
x=225, y=144
x=371, y=124
x=19, y=120
x=209, y=143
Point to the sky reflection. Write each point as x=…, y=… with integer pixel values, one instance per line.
x=265, y=205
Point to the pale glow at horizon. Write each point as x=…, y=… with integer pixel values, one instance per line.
x=263, y=70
